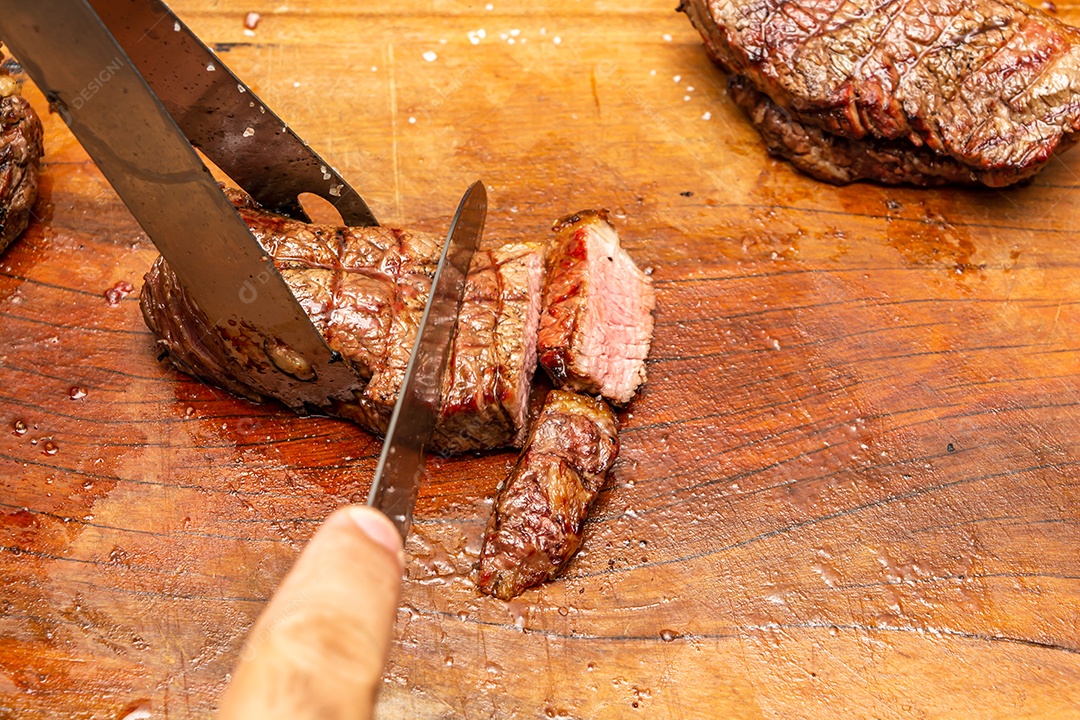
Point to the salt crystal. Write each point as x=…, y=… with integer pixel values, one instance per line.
x=678, y=78
x=515, y=32
x=706, y=116
x=667, y=38
x=557, y=40
x=249, y=132
x=210, y=67
x=430, y=56
x=412, y=121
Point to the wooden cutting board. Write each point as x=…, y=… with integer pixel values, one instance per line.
x=849, y=489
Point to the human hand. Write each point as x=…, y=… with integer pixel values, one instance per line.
x=318, y=649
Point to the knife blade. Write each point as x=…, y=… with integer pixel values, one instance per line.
x=89, y=79
x=222, y=117
x=401, y=463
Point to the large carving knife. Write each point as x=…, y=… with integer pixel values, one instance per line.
x=401, y=466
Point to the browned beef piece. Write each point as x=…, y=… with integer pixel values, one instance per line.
x=487, y=381
x=539, y=516
x=597, y=320
x=990, y=85
x=21, y=148
x=365, y=290
x=840, y=160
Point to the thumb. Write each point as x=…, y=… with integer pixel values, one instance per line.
x=319, y=647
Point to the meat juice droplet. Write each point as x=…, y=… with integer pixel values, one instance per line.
x=49, y=448
x=668, y=635
x=18, y=427
x=119, y=291
x=76, y=392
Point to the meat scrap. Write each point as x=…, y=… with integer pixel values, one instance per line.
x=365, y=289
x=539, y=515
x=967, y=91
x=21, y=148
x=597, y=320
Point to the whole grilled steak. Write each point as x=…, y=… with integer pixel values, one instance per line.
x=939, y=91
x=365, y=290
x=597, y=322
x=20, y=156
x=539, y=516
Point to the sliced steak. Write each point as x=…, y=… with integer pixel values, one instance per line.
x=597, y=320
x=21, y=148
x=990, y=86
x=539, y=516
x=365, y=290
x=487, y=381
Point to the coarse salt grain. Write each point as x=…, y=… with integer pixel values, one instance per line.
x=677, y=78
x=430, y=56
x=706, y=116
x=412, y=121
x=557, y=40
x=667, y=38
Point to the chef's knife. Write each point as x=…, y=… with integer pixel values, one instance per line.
x=90, y=80
x=401, y=465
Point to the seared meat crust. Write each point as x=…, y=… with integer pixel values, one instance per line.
x=540, y=512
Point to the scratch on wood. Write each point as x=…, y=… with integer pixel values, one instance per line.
x=595, y=94
x=394, y=129
x=1057, y=315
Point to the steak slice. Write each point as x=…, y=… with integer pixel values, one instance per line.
x=539, y=516
x=990, y=84
x=491, y=365
x=21, y=148
x=365, y=289
x=597, y=321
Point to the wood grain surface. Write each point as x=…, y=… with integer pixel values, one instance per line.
x=849, y=489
